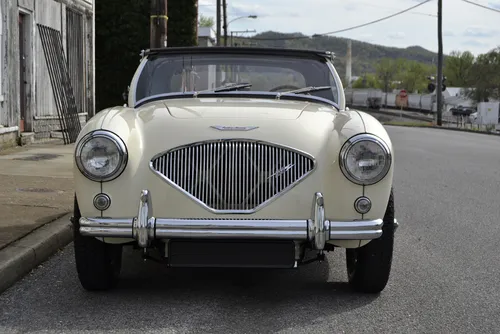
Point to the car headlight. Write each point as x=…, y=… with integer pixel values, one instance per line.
x=101, y=156
x=365, y=159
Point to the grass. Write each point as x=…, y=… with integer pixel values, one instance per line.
x=409, y=123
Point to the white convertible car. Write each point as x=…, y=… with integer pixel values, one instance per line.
x=234, y=157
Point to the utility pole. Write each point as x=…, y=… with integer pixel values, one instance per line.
x=224, y=8
x=218, y=22
x=439, y=93
x=158, y=24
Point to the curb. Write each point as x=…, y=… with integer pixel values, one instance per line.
x=23, y=255
x=445, y=128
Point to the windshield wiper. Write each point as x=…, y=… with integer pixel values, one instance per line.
x=226, y=88
x=306, y=89
x=231, y=87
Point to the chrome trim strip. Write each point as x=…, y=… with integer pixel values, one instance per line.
x=208, y=147
x=234, y=128
x=144, y=228
x=350, y=143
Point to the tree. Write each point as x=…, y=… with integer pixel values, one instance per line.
x=369, y=80
x=457, y=68
x=124, y=35
x=413, y=75
x=386, y=70
x=182, y=27
x=206, y=21
x=128, y=34
x=484, y=77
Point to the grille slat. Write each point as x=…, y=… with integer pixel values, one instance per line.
x=233, y=175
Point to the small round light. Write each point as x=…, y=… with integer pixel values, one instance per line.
x=102, y=202
x=362, y=205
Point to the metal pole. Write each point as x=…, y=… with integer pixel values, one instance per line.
x=439, y=91
x=218, y=16
x=224, y=8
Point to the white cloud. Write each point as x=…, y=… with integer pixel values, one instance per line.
x=463, y=23
x=474, y=43
x=396, y=35
x=480, y=32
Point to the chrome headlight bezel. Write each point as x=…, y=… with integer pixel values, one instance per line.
x=120, y=146
x=349, y=144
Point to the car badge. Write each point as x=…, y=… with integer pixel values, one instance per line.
x=281, y=171
x=234, y=128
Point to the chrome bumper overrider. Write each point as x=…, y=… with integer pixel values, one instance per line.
x=144, y=228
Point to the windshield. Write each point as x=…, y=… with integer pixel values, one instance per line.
x=169, y=74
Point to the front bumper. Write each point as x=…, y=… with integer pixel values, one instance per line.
x=144, y=228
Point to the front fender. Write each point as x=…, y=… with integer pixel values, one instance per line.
x=378, y=193
x=86, y=189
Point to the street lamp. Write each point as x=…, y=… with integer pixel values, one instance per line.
x=238, y=18
x=243, y=17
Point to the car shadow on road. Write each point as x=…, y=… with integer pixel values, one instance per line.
x=151, y=297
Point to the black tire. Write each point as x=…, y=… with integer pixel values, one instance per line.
x=369, y=267
x=98, y=264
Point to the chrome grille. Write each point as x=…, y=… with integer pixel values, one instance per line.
x=233, y=175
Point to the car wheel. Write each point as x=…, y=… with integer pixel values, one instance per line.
x=98, y=264
x=369, y=267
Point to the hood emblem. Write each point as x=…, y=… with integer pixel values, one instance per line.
x=234, y=128
x=281, y=171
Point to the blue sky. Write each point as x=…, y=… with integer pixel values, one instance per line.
x=465, y=26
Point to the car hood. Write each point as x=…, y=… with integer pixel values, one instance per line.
x=248, y=109
x=159, y=126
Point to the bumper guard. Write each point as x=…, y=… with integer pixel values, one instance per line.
x=144, y=228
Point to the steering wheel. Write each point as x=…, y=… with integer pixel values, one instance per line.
x=288, y=87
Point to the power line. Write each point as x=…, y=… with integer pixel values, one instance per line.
x=392, y=8
x=482, y=6
x=346, y=29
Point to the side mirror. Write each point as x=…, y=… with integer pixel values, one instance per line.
x=125, y=94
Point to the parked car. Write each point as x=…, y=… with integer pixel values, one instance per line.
x=462, y=111
x=262, y=172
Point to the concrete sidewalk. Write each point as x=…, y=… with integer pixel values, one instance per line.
x=36, y=188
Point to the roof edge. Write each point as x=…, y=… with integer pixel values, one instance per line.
x=240, y=50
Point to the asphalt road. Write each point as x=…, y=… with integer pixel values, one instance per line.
x=445, y=275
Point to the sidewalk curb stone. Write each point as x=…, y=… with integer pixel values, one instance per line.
x=20, y=257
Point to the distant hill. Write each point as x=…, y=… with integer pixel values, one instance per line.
x=364, y=55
